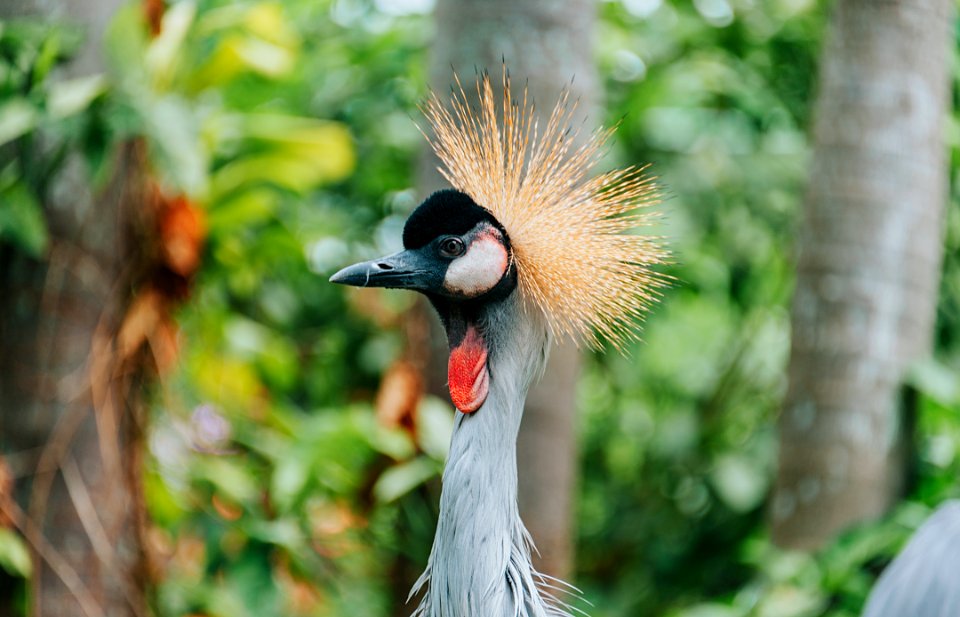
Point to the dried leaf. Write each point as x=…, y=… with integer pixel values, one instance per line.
x=183, y=230
x=6, y=493
x=399, y=396
x=140, y=323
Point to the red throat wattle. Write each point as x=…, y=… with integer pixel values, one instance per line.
x=467, y=373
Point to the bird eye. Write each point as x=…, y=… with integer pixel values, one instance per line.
x=452, y=247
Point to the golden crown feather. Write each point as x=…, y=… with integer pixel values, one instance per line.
x=579, y=259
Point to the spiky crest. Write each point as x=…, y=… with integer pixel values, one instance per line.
x=576, y=259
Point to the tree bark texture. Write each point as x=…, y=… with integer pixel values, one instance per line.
x=70, y=419
x=868, y=267
x=548, y=46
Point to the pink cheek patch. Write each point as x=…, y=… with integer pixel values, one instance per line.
x=469, y=380
x=479, y=269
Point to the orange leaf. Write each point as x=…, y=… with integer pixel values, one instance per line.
x=183, y=229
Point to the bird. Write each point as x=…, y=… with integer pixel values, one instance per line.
x=923, y=580
x=524, y=248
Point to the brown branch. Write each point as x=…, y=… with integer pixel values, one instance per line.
x=80, y=496
x=57, y=563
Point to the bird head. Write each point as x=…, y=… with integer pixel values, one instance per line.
x=524, y=217
x=454, y=252
x=459, y=256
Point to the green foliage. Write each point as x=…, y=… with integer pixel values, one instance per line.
x=836, y=581
x=14, y=557
x=32, y=104
x=287, y=490
x=678, y=441
x=21, y=219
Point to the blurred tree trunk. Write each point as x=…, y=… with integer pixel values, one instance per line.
x=869, y=262
x=69, y=402
x=545, y=45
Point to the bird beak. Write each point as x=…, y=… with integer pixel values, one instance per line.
x=404, y=270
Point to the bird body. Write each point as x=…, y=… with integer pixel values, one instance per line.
x=481, y=546
x=525, y=247
x=924, y=579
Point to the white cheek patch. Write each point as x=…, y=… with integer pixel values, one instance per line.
x=479, y=269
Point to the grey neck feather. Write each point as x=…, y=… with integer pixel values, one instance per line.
x=480, y=563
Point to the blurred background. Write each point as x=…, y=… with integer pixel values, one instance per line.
x=194, y=422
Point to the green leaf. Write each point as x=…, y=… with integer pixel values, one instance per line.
x=47, y=55
x=248, y=209
x=282, y=532
x=126, y=42
x=708, y=610
x=163, y=51
x=289, y=479
x=267, y=21
x=434, y=427
x=21, y=220
x=17, y=117
x=393, y=442
x=14, y=556
x=68, y=97
x=231, y=478
x=162, y=502
x=219, y=602
x=262, y=57
x=935, y=380
x=172, y=125
x=285, y=171
x=792, y=601
x=303, y=154
x=739, y=482
x=400, y=480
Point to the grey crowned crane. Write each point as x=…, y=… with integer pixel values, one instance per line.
x=526, y=247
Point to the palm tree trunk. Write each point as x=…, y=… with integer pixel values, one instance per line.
x=869, y=262
x=70, y=413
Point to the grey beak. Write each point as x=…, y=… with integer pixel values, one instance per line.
x=403, y=270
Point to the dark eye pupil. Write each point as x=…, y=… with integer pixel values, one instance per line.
x=451, y=247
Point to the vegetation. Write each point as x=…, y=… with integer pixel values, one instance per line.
x=285, y=135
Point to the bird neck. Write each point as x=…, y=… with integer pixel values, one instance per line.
x=480, y=562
